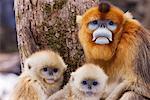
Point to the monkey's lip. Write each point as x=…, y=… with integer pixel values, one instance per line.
x=50, y=81
x=102, y=36
x=89, y=93
x=102, y=40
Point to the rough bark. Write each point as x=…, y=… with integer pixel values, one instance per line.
x=50, y=24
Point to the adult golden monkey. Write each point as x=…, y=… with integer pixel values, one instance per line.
x=121, y=45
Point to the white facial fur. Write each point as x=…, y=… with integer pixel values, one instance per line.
x=90, y=73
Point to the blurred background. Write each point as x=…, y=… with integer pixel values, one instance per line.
x=9, y=57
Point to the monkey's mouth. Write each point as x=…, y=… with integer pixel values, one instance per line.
x=89, y=93
x=49, y=81
x=102, y=36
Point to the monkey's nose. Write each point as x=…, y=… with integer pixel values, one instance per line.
x=89, y=87
x=102, y=25
x=50, y=73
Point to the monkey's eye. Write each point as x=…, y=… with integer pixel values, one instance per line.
x=93, y=25
x=111, y=25
x=84, y=82
x=45, y=69
x=95, y=83
x=55, y=70
x=95, y=22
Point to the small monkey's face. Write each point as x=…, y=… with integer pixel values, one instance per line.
x=89, y=80
x=100, y=31
x=46, y=66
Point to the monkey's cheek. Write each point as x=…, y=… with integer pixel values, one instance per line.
x=102, y=40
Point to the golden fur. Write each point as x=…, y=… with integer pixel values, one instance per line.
x=72, y=91
x=31, y=85
x=126, y=60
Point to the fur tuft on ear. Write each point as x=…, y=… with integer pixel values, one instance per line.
x=78, y=19
x=128, y=15
x=65, y=67
x=72, y=76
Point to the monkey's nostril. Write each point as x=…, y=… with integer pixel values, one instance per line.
x=102, y=25
x=89, y=87
x=50, y=73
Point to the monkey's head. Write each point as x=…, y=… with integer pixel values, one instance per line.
x=89, y=80
x=100, y=31
x=46, y=66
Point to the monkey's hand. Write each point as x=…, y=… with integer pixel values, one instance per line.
x=119, y=90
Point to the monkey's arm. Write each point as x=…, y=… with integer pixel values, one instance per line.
x=119, y=90
x=61, y=94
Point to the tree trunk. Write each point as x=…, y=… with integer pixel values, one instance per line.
x=50, y=24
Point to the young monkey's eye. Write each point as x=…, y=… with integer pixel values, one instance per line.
x=55, y=70
x=84, y=82
x=95, y=83
x=45, y=69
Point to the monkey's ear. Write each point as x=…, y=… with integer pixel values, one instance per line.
x=29, y=66
x=78, y=19
x=128, y=15
x=65, y=67
x=72, y=76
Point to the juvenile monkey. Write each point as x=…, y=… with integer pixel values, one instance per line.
x=86, y=83
x=42, y=77
x=121, y=45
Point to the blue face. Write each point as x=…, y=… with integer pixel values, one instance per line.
x=102, y=31
x=50, y=74
x=89, y=84
x=49, y=71
x=93, y=25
